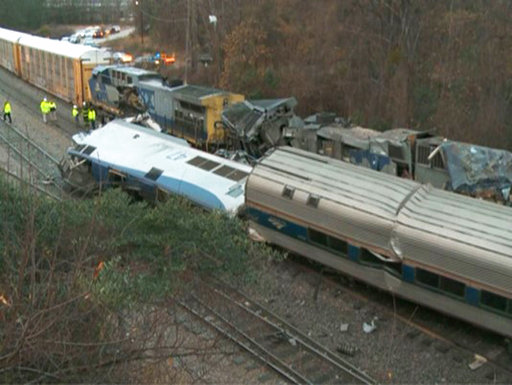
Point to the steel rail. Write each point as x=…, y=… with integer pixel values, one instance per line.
x=10, y=174
x=304, y=348
x=246, y=347
x=306, y=341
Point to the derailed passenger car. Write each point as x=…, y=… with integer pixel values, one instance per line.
x=439, y=249
x=152, y=165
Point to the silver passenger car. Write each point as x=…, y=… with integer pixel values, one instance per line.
x=439, y=249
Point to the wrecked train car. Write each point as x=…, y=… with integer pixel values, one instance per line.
x=153, y=165
x=258, y=125
x=439, y=249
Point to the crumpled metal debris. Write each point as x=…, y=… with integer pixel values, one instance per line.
x=371, y=326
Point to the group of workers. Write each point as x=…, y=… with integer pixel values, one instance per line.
x=88, y=115
x=49, y=108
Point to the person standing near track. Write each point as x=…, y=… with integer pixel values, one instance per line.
x=75, y=114
x=53, y=110
x=85, y=114
x=45, y=109
x=7, y=111
x=92, y=117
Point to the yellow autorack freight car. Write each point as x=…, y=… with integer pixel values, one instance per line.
x=58, y=67
x=61, y=68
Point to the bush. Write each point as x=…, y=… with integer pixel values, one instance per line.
x=71, y=273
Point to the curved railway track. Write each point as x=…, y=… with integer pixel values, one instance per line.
x=282, y=347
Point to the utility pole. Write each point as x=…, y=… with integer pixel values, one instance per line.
x=187, y=41
x=138, y=3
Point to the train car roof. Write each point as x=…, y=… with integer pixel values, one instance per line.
x=167, y=162
x=338, y=181
x=10, y=35
x=462, y=219
x=197, y=93
x=66, y=49
x=126, y=69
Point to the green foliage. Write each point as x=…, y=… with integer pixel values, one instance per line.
x=143, y=247
x=75, y=270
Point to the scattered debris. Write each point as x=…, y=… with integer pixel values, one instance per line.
x=347, y=349
x=478, y=362
x=292, y=341
x=343, y=327
x=370, y=327
x=255, y=236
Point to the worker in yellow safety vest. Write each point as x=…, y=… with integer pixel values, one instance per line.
x=85, y=114
x=53, y=110
x=7, y=111
x=92, y=117
x=75, y=114
x=45, y=109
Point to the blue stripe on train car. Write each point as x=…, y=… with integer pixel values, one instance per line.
x=472, y=296
x=353, y=252
x=408, y=273
x=99, y=172
x=283, y=226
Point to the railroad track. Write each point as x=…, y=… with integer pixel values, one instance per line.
x=290, y=353
x=428, y=324
x=30, y=164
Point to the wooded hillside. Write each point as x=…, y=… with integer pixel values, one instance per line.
x=443, y=65
x=433, y=65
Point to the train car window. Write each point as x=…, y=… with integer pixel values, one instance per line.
x=196, y=161
x=493, y=300
x=85, y=149
x=313, y=200
x=510, y=306
x=203, y=163
x=224, y=170
x=394, y=268
x=231, y=173
x=237, y=175
x=123, y=77
x=452, y=286
x=318, y=237
x=338, y=245
x=427, y=278
x=154, y=173
x=367, y=257
x=288, y=192
x=395, y=152
x=129, y=80
x=105, y=79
